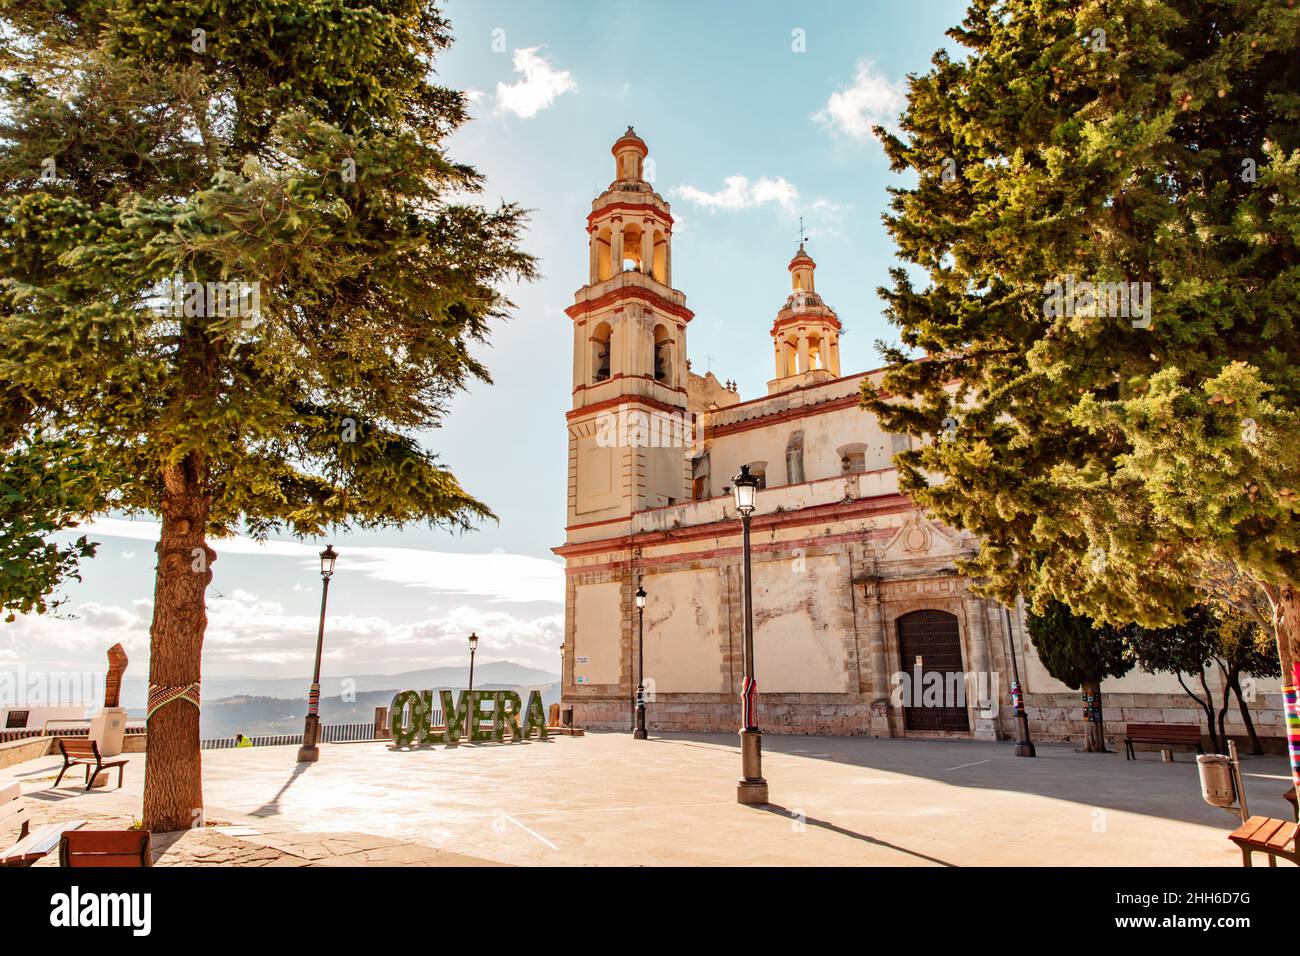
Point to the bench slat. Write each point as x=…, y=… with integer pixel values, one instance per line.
x=41, y=840
x=1247, y=829
x=1283, y=838
x=101, y=848
x=1265, y=833
x=105, y=859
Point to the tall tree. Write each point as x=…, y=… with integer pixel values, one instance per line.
x=237, y=264
x=1105, y=220
x=1242, y=650
x=1185, y=649
x=1080, y=655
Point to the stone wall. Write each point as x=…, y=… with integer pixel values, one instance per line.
x=830, y=714
x=1059, y=717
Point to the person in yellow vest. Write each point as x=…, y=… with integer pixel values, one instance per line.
x=242, y=741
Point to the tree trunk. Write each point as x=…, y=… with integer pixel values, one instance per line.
x=1205, y=705
x=173, y=784
x=1216, y=744
x=1287, y=602
x=1223, y=713
x=1094, y=739
x=1256, y=748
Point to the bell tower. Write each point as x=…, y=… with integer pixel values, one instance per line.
x=806, y=333
x=627, y=450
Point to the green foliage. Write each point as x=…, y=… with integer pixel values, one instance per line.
x=508, y=707
x=1184, y=648
x=1101, y=461
x=408, y=718
x=46, y=486
x=1075, y=650
x=303, y=149
x=455, y=714
x=535, y=716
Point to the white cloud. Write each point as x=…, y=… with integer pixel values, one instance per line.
x=871, y=99
x=252, y=636
x=496, y=576
x=538, y=89
x=738, y=192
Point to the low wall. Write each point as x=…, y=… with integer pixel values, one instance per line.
x=29, y=748
x=17, y=751
x=1052, y=717
x=830, y=714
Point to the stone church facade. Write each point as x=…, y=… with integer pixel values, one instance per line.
x=862, y=624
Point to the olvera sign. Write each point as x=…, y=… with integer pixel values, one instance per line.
x=411, y=713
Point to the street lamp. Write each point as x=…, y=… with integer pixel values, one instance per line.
x=309, y=752
x=1024, y=746
x=638, y=732
x=751, y=788
x=469, y=696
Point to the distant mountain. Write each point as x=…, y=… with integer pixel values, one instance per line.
x=496, y=673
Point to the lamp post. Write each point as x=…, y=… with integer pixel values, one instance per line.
x=638, y=732
x=1024, y=746
x=470, y=707
x=309, y=752
x=751, y=788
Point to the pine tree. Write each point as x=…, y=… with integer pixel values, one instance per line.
x=1080, y=654
x=238, y=266
x=1108, y=445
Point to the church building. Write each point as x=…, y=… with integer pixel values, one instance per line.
x=862, y=624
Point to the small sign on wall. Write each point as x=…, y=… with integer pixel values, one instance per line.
x=582, y=659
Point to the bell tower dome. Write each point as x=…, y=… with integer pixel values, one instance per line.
x=806, y=333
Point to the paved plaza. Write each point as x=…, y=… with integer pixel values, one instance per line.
x=605, y=799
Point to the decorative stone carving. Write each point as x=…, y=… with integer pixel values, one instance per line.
x=117, y=661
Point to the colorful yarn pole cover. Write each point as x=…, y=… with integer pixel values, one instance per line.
x=160, y=696
x=1017, y=698
x=749, y=704
x=1292, y=706
x=313, y=700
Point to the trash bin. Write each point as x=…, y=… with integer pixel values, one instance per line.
x=1217, y=788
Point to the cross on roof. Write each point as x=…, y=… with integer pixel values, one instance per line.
x=803, y=233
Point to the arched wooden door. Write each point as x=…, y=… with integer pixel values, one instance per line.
x=929, y=644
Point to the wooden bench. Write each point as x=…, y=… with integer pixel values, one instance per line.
x=85, y=752
x=1277, y=838
x=105, y=848
x=32, y=844
x=1163, y=736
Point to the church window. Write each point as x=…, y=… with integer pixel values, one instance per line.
x=853, y=458
x=663, y=355
x=600, y=353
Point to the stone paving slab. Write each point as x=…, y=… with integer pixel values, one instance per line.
x=605, y=799
x=220, y=843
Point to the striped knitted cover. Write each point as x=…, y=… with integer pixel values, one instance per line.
x=160, y=696
x=749, y=704
x=1289, y=695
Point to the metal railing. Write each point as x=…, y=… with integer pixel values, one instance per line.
x=329, y=734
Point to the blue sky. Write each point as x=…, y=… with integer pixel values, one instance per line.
x=755, y=114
